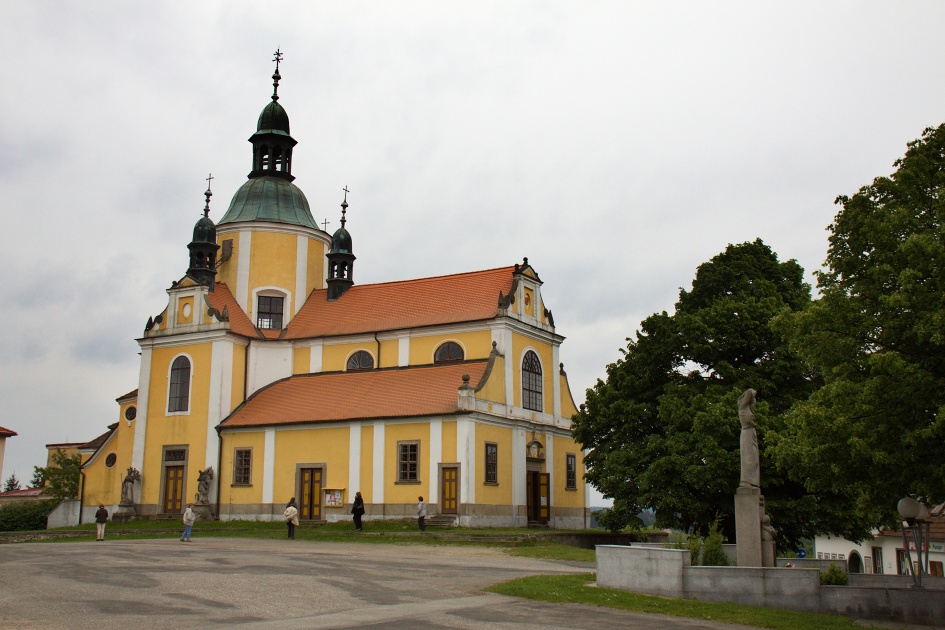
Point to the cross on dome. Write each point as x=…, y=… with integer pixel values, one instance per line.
x=277, y=57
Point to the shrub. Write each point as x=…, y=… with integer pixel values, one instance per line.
x=834, y=576
x=713, y=555
x=25, y=515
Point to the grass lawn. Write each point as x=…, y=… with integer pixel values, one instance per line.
x=576, y=589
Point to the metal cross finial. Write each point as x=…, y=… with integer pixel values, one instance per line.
x=344, y=205
x=325, y=225
x=208, y=194
x=277, y=57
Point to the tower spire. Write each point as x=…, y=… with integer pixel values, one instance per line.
x=203, y=248
x=340, y=258
x=276, y=77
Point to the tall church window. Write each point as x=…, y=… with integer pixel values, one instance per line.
x=178, y=397
x=408, y=462
x=531, y=381
x=571, y=472
x=492, y=463
x=242, y=466
x=360, y=360
x=449, y=352
x=269, y=311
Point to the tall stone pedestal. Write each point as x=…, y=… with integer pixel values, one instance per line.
x=124, y=513
x=203, y=512
x=748, y=514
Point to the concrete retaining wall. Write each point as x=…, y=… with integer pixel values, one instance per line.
x=667, y=572
x=66, y=514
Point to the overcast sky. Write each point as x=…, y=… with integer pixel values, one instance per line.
x=617, y=145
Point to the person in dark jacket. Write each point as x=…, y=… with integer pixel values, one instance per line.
x=291, y=517
x=101, y=517
x=357, y=510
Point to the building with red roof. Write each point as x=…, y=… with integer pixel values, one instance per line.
x=272, y=374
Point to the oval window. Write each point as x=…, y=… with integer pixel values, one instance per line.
x=130, y=413
x=111, y=459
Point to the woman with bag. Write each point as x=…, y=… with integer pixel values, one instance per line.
x=291, y=517
x=357, y=510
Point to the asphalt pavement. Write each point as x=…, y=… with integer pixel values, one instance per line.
x=275, y=584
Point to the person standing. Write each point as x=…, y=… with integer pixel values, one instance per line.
x=291, y=517
x=422, y=515
x=357, y=510
x=101, y=517
x=189, y=518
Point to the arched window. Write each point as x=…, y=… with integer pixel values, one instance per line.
x=449, y=352
x=360, y=360
x=178, y=397
x=531, y=381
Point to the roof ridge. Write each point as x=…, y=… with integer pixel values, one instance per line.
x=425, y=278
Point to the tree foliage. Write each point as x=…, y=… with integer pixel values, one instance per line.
x=61, y=477
x=875, y=431
x=11, y=484
x=663, y=428
x=37, y=481
x=25, y=515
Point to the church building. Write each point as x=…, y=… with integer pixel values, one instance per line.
x=272, y=374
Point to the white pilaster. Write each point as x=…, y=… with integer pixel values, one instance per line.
x=436, y=456
x=221, y=378
x=377, y=489
x=550, y=466
x=403, y=354
x=466, y=453
x=354, y=460
x=141, y=420
x=556, y=379
x=242, y=270
x=269, y=466
x=315, y=358
x=519, y=491
x=301, y=272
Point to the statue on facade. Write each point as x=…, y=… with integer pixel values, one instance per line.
x=751, y=465
x=203, y=486
x=128, y=486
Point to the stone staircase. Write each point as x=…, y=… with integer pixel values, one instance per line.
x=441, y=521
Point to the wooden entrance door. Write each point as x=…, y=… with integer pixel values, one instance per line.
x=537, y=489
x=449, y=490
x=173, y=489
x=310, y=489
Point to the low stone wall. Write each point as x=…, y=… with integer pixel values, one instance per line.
x=667, y=572
x=905, y=605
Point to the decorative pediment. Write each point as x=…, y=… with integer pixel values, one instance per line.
x=535, y=451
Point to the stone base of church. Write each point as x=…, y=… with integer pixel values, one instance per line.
x=470, y=515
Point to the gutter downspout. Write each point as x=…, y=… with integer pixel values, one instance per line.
x=81, y=494
x=219, y=471
x=378, y=344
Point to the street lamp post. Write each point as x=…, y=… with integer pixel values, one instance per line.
x=914, y=515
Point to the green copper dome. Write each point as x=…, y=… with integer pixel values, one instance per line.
x=273, y=119
x=269, y=199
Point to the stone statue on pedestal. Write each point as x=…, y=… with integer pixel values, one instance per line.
x=128, y=486
x=203, y=486
x=751, y=466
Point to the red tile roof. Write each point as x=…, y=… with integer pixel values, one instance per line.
x=97, y=442
x=463, y=297
x=7, y=432
x=132, y=394
x=335, y=396
x=22, y=494
x=221, y=298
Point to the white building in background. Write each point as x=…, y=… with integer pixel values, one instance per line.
x=885, y=553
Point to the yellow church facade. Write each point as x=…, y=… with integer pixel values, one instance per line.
x=271, y=374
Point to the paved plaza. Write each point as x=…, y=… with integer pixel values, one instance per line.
x=266, y=584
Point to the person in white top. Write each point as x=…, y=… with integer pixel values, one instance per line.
x=189, y=518
x=291, y=517
x=422, y=515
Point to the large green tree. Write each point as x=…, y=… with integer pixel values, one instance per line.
x=663, y=431
x=876, y=430
x=61, y=477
